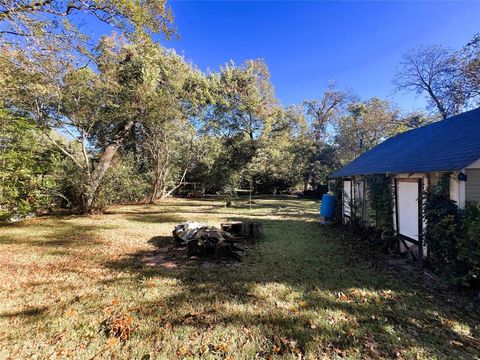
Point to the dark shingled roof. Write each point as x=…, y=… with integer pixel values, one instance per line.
x=447, y=145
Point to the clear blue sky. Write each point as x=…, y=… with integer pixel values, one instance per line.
x=307, y=44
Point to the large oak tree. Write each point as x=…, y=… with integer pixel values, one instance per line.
x=94, y=95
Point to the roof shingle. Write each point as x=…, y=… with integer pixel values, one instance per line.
x=447, y=145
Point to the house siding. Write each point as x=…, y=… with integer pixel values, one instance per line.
x=472, y=190
x=457, y=190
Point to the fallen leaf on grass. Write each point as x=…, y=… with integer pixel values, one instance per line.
x=183, y=350
x=293, y=308
x=341, y=296
x=149, y=283
x=303, y=304
x=333, y=350
x=283, y=345
x=372, y=348
x=112, y=341
x=222, y=347
x=70, y=312
x=204, y=349
x=248, y=332
x=57, y=338
x=118, y=326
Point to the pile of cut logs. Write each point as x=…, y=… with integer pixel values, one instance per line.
x=208, y=241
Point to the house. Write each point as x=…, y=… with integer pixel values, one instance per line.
x=415, y=160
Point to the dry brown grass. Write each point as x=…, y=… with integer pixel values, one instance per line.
x=76, y=287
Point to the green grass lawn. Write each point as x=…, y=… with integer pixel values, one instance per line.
x=303, y=291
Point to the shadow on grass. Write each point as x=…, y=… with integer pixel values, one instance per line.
x=178, y=204
x=204, y=205
x=155, y=218
x=173, y=214
x=343, y=300
x=160, y=241
x=32, y=312
x=385, y=311
x=59, y=234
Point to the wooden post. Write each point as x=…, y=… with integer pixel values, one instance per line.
x=420, y=223
x=352, y=192
x=397, y=226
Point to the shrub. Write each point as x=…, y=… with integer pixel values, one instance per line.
x=452, y=236
x=27, y=165
x=443, y=228
x=122, y=184
x=72, y=183
x=468, y=245
x=337, y=189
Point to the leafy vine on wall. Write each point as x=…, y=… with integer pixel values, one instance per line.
x=380, y=194
x=452, y=235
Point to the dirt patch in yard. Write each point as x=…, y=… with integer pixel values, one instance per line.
x=171, y=255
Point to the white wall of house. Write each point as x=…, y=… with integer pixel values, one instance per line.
x=472, y=185
x=474, y=165
x=457, y=190
x=460, y=192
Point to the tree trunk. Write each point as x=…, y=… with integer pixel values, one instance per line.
x=102, y=167
x=156, y=187
x=166, y=193
x=164, y=185
x=306, y=181
x=157, y=179
x=438, y=103
x=161, y=171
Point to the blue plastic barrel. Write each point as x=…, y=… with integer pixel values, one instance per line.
x=328, y=205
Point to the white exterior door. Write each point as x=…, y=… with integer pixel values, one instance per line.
x=407, y=197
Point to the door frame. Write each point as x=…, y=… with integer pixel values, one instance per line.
x=403, y=238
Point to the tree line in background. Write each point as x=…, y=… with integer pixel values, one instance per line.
x=88, y=122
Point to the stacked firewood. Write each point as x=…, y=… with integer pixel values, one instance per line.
x=208, y=241
x=249, y=230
